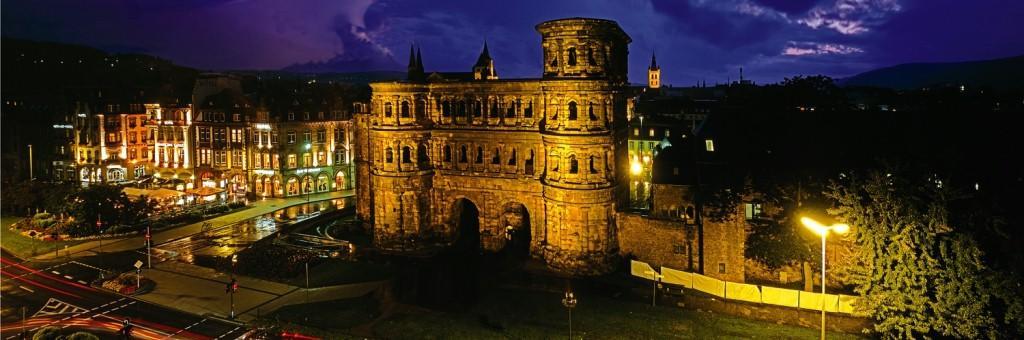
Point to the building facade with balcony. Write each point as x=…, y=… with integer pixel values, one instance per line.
x=170, y=144
x=110, y=145
x=301, y=145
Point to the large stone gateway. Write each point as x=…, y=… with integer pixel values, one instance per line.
x=534, y=160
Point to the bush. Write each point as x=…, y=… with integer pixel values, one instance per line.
x=82, y=336
x=236, y=205
x=47, y=333
x=217, y=210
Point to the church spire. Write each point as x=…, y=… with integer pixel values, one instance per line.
x=654, y=62
x=484, y=67
x=419, y=60
x=415, y=68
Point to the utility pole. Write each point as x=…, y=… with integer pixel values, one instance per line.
x=31, y=172
x=149, y=253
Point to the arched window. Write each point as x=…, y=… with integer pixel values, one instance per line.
x=590, y=111
x=478, y=109
x=510, y=112
x=528, y=111
x=553, y=159
x=421, y=154
x=528, y=163
x=572, y=56
x=461, y=110
x=462, y=155
x=593, y=169
x=479, y=155
x=512, y=158
x=574, y=165
x=404, y=110
x=406, y=154
x=446, y=108
x=387, y=109
x=389, y=156
x=421, y=109
x=494, y=109
x=590, y=56
x=496, y=158
x=572, y=110
x=447, y=156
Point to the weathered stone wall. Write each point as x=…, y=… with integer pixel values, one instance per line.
x=675, y=244
x=659, y=242
x=724, y=243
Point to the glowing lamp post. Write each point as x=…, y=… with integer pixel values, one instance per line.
x=823, y=230
x=569, y=301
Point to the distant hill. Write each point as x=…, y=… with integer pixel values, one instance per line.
x=1004, y=74
x=342, y=77
x=49, y=70
x=347, y=64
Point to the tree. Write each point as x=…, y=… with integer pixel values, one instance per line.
x=920, y=271
x=105, y=204
x=82, y=336
x=47, y=333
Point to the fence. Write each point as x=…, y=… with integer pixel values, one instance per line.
x=836, y=303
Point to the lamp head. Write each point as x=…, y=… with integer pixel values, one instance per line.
x=635, y=168
x=823, y=230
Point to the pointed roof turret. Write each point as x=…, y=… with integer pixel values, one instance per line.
x=419, y=60
x=654, y=62
x=485, y=57
x=412, y=57
x=415, y=69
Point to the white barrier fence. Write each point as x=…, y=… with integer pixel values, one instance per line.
x=836, y=303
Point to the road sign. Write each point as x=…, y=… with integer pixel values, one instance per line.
x=138, y=264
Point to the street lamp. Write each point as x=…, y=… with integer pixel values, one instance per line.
x=823, y=230
x=569, y=301
x=233, y=285
x=308, y=184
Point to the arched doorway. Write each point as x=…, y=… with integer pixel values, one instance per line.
x=515, y=220
x=465, y=218
x=321, y=183
x=339, y=180
x=293, y=186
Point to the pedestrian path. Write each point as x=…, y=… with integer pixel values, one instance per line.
x=134, y=242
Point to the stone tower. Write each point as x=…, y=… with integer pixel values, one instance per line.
x=533, y=161
x=654, y=74
x=585, y=69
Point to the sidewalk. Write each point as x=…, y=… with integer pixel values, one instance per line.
x=200, y=290
x=258, y=208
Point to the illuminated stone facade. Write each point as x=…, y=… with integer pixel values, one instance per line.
x=535, y=157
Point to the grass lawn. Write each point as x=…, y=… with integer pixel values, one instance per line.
x=522, y=314
x=25, y=247
x=328, y=319
x=336, y=272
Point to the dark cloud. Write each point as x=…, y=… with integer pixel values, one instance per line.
x=695, y=39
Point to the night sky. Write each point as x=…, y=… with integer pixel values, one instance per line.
x=695, y=40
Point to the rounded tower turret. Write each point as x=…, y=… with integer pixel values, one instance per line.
x=584, y=48
x=584, y=75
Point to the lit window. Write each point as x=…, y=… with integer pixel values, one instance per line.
x=292, y=161
x=752, y=210
x=709, y=145
x=651, y=132
x=636, y=131
x=721, y=268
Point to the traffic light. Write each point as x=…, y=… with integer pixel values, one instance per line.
x=231, y=286
x=127, y=327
